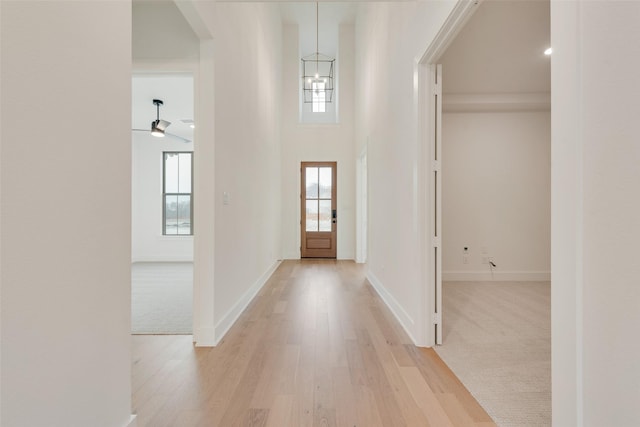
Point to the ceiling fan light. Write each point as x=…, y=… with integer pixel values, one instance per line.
x=155, y=131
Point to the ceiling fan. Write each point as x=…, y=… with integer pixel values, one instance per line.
x=158, y=126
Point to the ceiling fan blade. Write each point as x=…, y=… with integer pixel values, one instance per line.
x=185, y=140
x=170, y=135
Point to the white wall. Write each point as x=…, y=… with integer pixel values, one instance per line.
x=147, y=241
x=66, y=213
x=317, y=142
x=161, y=33
x=595, y=213
x=248, y=77
x=177, y=91
x=496, y=195
x=389, y=37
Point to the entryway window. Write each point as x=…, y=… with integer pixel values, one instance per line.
x=177, y=196
x=318, y=97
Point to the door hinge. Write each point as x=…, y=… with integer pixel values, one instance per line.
x=435, y=165
x=437, y=241
x=437, y=318
x=437, y=88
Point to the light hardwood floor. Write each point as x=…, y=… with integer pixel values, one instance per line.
x=316, y=347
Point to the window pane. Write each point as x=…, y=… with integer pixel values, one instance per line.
x=184, y=215
x=184, y=173
x=325, y=215
x=325, y=183
x=318, y=97
x=171, y=215
x=311, y=219
x=312, y=183
x=171, y=172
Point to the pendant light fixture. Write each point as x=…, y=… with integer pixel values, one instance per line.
x=317, y=74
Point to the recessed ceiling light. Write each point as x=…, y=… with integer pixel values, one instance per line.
x=548, y=51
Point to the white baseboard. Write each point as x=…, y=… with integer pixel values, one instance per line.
x=497, y=276
x=400, y=314
x=204, y=337
x=132, y=421
x=232, y=315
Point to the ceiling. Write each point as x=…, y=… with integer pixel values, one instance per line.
x=500, y=50
x=330, y=16
x=175, y=90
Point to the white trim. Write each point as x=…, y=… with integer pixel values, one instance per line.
x=133, y=422
x=204, y=337
x=400, y=314
x=227, y=321
x=466, y=102
x=361, y=205
x=204, y=288
x=459, y=15
x=497, y=276
x=462, y=11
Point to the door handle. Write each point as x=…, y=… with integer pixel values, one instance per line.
x=333, y=216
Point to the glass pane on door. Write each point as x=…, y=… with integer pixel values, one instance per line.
x=325, y=183
x=312, y=182
x=324, y=215
x=311, y=217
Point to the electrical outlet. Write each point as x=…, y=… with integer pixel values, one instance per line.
x=485, y=260
x=465, y=259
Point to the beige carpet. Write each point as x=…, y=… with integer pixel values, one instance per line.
x=161, y=298
x=497, y=340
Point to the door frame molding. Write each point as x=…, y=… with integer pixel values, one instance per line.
x=424, y=89
x=362, y=203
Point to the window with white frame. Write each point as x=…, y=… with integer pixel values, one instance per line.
x=318, y=97
x=177, y=193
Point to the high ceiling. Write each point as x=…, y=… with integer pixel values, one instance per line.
x=330, y=16
x=499, y=51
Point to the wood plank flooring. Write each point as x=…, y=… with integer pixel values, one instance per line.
x=316, y=347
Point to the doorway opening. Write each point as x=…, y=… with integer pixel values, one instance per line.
x=162, y=225
x=489, y=187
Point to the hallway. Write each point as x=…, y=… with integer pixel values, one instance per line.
x=316, y=347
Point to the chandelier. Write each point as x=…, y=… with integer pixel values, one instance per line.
x=317, y=74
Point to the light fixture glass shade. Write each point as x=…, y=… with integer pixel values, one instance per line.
x=317, y=68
